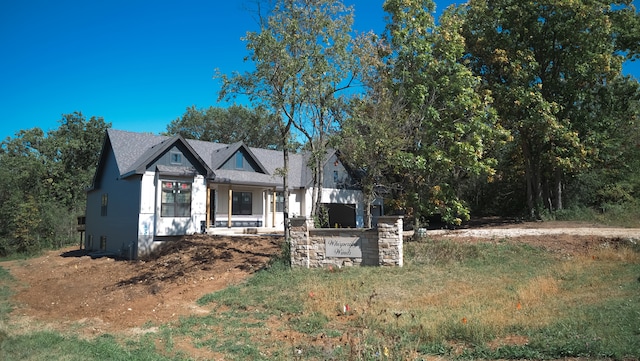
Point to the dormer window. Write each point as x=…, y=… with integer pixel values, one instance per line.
x=176, y=158
x=239, y=161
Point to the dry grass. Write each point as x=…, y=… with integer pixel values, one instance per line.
x=449, y=297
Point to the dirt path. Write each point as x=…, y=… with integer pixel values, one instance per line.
x=632, y=234
x=566, y=238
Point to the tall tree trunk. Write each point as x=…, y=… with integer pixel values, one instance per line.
x=530, y=178
x=537, y=188
x=285, y=182
x=320, y=179
x=558, y=189
x=546, y=195
x=368, y=199
x=314, y=190
x=285, y=192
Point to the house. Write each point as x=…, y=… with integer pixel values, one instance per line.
x=150, y=189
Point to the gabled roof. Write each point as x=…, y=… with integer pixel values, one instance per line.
x=222, y=155
x=128, y=147
x=135, y=151
x=330, y=153
x=157, y=150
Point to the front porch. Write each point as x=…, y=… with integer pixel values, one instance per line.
x=235, y=209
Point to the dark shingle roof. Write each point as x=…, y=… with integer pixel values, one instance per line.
x=133, y=150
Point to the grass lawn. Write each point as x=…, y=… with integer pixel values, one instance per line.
x=452, y=300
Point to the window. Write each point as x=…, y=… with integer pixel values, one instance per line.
x=239, y=161
x=105, y=203
x=176, y=158
x=176, y=199
x=279, y=202
x=241, y=203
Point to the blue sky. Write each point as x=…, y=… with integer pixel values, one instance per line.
x=137, y=63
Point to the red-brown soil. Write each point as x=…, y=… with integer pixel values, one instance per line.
x=68, y=287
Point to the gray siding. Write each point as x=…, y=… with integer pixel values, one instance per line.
x=248, y=164
x=187, y=160
x=336, y=175
x=120, y=224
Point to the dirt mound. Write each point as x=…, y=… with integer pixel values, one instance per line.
x=69, y=287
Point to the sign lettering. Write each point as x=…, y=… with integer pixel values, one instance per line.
x=348, y=247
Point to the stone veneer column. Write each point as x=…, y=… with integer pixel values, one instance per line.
x=390, y=251
x=300, y=242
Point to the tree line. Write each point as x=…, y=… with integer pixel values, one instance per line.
x=43, y=183
x=500, y=107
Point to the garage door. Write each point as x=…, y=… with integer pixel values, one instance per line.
x=341, y=215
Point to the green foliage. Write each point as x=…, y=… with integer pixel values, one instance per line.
x=445, y=116
x=554, y=68
x=255, y=127
x=321, y=219
x=43, y=179
x=303, y=66
x=615, y=214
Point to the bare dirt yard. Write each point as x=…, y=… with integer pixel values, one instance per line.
x=68, y=289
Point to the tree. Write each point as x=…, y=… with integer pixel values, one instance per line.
x=43, y=179
x=301, y=63
x=255, y=127
x=370, y=142
x=449, y=116
x=543, y=61
x=72, y=152
x=22, y=185
x=372, y=136
x=614, y=173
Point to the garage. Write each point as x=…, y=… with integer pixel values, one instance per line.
x=341, y=215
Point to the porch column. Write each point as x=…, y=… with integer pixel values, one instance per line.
x=273, y=213
x=208, y=212
x=230, y=206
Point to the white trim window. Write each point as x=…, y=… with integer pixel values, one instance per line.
x=176, y=199
x=242, y=203
x=279, y=201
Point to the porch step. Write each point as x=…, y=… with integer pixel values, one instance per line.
x=241, y=231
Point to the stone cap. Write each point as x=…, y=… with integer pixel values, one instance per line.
x=389, y=218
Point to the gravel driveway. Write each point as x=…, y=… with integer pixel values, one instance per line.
x=626, y=233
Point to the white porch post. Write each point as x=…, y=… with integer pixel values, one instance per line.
x=230, y=205
x=208, y=211
x=273, y=213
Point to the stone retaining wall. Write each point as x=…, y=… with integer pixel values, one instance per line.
x=343, y=247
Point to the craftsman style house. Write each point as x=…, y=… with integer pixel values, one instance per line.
x=149, y=189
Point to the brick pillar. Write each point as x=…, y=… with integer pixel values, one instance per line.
x=390, y=251
x=300, y=242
